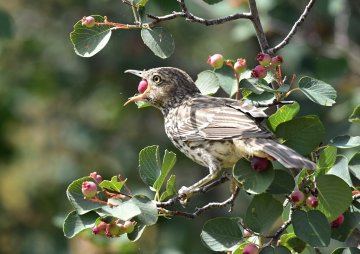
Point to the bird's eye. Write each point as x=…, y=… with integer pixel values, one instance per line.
x=157, y=79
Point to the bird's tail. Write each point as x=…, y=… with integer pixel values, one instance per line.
x=285, y=155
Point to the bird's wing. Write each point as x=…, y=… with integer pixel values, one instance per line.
x=219, y=118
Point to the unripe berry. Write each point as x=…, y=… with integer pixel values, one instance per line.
x=263, y=59
x=128, y=226
x=216, y=61
x=277, y=60
x=297, y=197
x=89, y=189
x=100, y=228
x=259, y=164
x=88, y=21
x=96, y=177
x=251, y=249
x=240, y=65
x=312, y=201
x=114, y=230
x=338, y=221
x=259, y=72
x=142, y=86
x=247, y=233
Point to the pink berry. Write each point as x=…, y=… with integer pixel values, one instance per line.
x=247, y=233
x=263, y=58
x=277, y=60
x=297, y=197
x=142, y=86
x=88, y=21
x=251, y=249
x=114, y=230
x=216, y=61
x=240, y=65
x=89, y=189
x=338, y=221
x=259, y=164
x=96, y=177
x=312, y=201
x=259, y=72
x=100, y=228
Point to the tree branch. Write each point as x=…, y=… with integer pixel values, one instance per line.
x=293, y=30
x=264, y=45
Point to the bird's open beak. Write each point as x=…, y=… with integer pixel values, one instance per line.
x=138, y=97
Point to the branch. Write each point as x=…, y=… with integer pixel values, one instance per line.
x=293, y=30
x=264, y=45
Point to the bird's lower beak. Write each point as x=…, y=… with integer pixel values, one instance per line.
x=138, y=97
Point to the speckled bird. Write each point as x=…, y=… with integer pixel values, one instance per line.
x=214, y=132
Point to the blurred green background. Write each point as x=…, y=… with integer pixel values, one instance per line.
x=62, y=115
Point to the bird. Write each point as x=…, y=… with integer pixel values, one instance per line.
x=214, y=132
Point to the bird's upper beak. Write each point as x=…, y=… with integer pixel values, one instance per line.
x=138, y=97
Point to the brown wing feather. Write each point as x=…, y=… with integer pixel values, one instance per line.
x=219, y=119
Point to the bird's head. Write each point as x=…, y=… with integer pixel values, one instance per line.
x=161, y=86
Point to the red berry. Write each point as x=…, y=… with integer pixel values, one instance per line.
x=100, y=228
x=88, y=21
x=338, y=221
x=251, y=249
x=312, y=201
x=89, y=189
x=96, y=177
x=259, y=72
x=240, y=65
x=216, y=61
x=297, y=197
x=259, y=164
x=142, y=86
x=263, y=58
x=277, y=60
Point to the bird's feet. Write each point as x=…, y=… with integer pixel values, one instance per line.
x=185, y=193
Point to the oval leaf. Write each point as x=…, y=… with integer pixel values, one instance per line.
x=341, y=169
x=89, y=41
x=227, y=79
x=354, y=165
x=75, y=223
x=312, y=227
x=318, y=91
x=283, y=183
x=149, y=164
x=345, y=141
x=148, y=208
x=302, y=133
x=159, y=41
x=351, y=250
x=252, y=181
x=276, y=250
x=283, y=114
x=326, y=160
x=207, y=82
x=334, y=195
x=221, y=234
x=351, y=221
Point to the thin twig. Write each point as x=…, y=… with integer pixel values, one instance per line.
x=264, y=45
x=293, y=30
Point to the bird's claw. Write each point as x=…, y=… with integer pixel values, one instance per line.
x=184, y=193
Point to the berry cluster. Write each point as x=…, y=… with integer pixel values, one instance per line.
x=114, y=228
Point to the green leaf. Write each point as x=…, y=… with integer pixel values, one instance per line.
x=149, y=164
x=326, y=160
x=168, y=163
x=276, y=250
x=283, y=114
x=355, y=116
x=221, y=234
x=312, y=227
x=252, y=181
x=345, y=141
x=354, y=165
x=140, y=3
x=227, y=79
x=207, y=82
x=142, y=104
x=170, y=188
x=263, y=214
x=89, y=41
x=318, y=91
x=138, y=230
x=75, y=223
x=76, y=197
x=334, y=195
x=148, y=208
x=292, y=242
x=124, y=210
x=159, y=41
x=283, y=183
x=302, y=133
x=252, y=84
x=114, y=184
x=212, y=1
x=351, y=250
x=261, y=97
x=351, y=221
x=341, y=169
